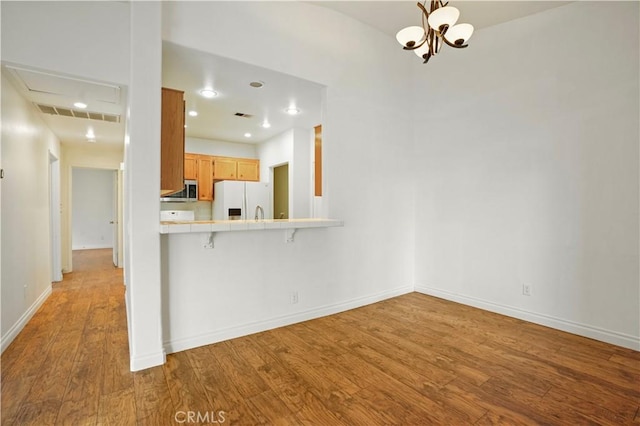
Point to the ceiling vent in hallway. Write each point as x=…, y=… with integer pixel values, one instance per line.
x=242, y=114
x=76, y=113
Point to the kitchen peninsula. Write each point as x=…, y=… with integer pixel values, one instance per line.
x=219, y=284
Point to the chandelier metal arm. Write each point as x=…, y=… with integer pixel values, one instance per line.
x=415, y=46
x=457, y=46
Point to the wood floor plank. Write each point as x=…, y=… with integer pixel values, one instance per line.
x=409, y=360
x=117, y=409
x=82, y=396
x=187, y=392
x=153, y=399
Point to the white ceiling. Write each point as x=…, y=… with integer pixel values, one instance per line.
x=391, y=16
x=50, y=89
x=191, y=70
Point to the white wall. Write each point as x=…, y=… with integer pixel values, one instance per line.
x=527, y=143
x=300, y=172
x=275, y=152
x=95, y=156
x=25, y=278
x=244, y=283
x=92, y=209
x=291, y=147
x=221, y=148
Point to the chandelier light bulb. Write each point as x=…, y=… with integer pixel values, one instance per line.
x=411, y=36
x=443, y=18
x=459, y=34
x=422, y=50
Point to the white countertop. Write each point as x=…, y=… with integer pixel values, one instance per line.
x=192, y=226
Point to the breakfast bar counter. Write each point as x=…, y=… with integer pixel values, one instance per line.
x=195, y=226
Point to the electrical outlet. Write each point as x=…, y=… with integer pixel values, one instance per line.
x=294, y=297
x=526, y=289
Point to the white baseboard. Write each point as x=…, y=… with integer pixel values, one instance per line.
x=92, y=247
x=608, y=336
x=13, y=332
x=143, y=362
x=280, y=321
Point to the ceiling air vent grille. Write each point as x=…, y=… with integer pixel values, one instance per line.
x=76, y=113
x=242, y=114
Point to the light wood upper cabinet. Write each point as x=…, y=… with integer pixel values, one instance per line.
x=172, y=142
x=224, y=168
x=205, y=178
x=248, y=169
x=208, y=169
x=191, y=166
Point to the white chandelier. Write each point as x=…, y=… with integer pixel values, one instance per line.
x=438, y=26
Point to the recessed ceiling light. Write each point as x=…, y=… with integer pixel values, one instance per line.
x=90, y=134
x=256, y=84
x=247, y=135
x=80, y=105
x=292, y=111
x=208, y=93
x=193, y=113
x=266, y=124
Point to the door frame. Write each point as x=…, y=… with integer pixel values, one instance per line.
x=55, y=231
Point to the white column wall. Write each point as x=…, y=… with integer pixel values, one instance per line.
x=142, y=183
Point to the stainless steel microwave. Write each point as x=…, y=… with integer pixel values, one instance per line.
x=188, y=194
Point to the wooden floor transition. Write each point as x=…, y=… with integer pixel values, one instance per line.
x=411, y=360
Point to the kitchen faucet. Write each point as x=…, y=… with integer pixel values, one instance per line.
x=259, y=208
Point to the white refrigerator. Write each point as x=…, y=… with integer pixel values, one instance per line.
x=238, y=200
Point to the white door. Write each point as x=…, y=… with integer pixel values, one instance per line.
x=114, y=220
x=54, y=218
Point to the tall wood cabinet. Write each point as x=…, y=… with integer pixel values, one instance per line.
x=172, y=142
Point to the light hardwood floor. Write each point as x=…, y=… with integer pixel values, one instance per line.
x=411, y=360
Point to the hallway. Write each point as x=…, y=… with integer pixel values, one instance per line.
x=70, y=364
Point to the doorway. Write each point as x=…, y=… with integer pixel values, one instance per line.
x=94, y=210
x=281, y=192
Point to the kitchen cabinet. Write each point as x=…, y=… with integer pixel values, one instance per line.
x=207, y=170
x=172, y=142
x=248, y=169
x=224, y=168
x=190, y=166
x=205, y=178
x=230, y=168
